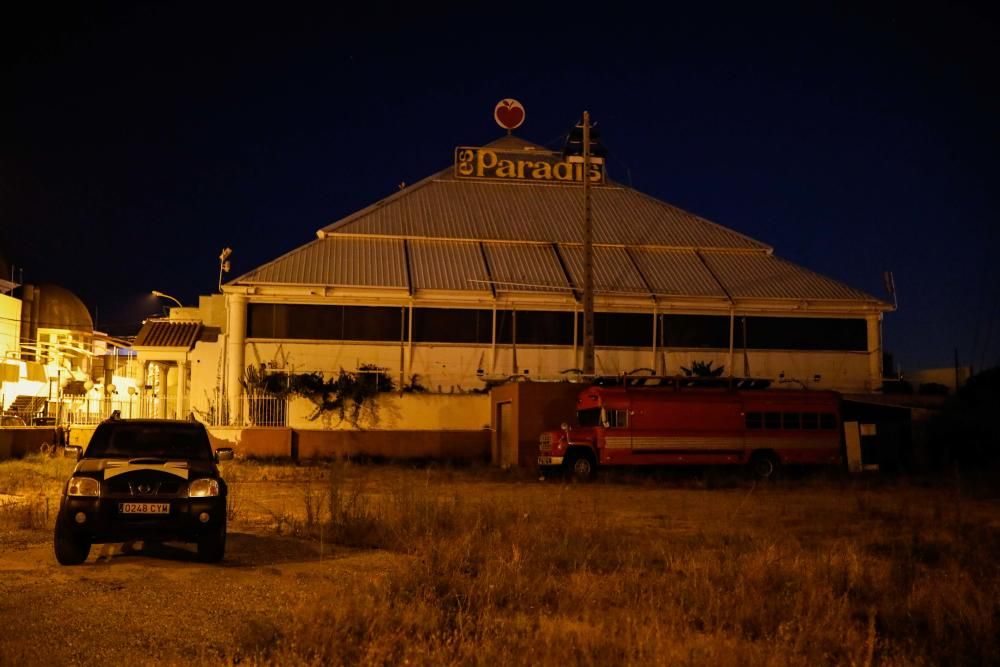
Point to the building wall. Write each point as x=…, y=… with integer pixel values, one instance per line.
x=10, y=325
x=206, y=372
x=452, y=369
x=407, y=412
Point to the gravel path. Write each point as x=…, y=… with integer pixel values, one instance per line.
x=158, y=605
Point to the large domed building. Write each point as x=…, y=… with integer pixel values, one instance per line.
x=56, y=326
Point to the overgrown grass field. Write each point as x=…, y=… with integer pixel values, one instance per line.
x=505, y=569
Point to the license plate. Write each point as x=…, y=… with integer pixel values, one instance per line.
x=544, y=460
x=144, y=508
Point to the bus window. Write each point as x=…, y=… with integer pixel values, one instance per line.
x=772, y=420
x=810, y=420
x=616, y=418
x=827, y=421
x=790, y=420
x=589, y=417
x=755, y=420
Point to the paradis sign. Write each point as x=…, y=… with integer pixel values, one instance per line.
x=514, y=165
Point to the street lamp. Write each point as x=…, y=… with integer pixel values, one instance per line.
x=224, y=264
x=167, y=296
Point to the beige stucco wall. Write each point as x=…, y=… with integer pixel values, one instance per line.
x=10, y=324
x=453, y=368
x=205, y=371
x=409, y=412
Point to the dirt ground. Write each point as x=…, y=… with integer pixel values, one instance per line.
x=160, y=602
x=136, y=603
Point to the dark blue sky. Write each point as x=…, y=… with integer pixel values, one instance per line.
x=137, y=140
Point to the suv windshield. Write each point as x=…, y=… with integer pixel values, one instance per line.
x=160, y=441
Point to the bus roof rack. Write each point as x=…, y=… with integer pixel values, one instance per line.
x=681, y=381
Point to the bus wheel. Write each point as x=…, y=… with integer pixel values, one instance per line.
x=764, y=465
x=580, y=467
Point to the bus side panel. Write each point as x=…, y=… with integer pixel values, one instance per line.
x=686, y=428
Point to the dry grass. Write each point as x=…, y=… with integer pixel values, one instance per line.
x=634, y=570
x=814, y=572
x=29, y=492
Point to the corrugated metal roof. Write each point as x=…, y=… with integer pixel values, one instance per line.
x=447, y=265
x=764, y=276
x=336, y=261
x=613, y=270
x=525, y=268
x=529, y=267
x=444, y=220
x=446, y=207
x=168, y=333
x=676, y=272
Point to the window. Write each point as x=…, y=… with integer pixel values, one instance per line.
x=827, y=421
x=616, y=418
x=772, y=420
x=699, y=331
x=589, y=417
x=754, y=420
x=790, y=420
x=310, y=322
x=804, y=333
x=452, y=325
x=810, y=420
x=621, y=329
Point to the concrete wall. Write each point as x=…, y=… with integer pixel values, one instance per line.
x=18, y=441
x=456, y=368
x=462, y=445
x=438, y=445
x=10, y=324
x=407, y=412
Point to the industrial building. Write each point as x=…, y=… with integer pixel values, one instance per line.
x=474, y=275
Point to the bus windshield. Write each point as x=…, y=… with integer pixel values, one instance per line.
x=589, y=417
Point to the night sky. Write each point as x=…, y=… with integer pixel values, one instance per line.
x=137, y=140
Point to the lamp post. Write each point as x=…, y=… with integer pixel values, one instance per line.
x=224, y=264
x=167, y=296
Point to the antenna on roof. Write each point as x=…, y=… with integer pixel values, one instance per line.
x=890, y=287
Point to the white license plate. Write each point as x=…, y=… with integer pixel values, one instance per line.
x=544, y=460
x=144, y=508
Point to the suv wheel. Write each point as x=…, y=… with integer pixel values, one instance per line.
x=70, y=550
x=212, y=547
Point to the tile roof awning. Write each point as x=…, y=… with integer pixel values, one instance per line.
x=168, y=333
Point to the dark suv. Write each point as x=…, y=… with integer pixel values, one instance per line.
x=153, y=480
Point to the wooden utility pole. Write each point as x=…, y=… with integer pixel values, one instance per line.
x=588, y=256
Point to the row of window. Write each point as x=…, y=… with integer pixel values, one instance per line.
x=825, y=421
x=534, y=327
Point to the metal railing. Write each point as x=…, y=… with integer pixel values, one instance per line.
x=84, y=410
x=264, y=410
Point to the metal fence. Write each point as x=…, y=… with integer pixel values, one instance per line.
x=83, y=410
x=264, y=410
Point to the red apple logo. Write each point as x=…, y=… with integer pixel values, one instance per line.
x=509, y=114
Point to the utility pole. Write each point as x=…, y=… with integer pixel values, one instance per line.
x=588, y=256
x=583, y=146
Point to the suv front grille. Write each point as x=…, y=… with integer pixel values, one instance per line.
x=143, y=487
x=545, y=442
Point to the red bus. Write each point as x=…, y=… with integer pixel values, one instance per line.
x=760, y=428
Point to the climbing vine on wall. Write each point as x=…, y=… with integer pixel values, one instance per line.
x=348, y=395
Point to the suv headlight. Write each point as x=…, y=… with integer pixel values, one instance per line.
x=83, y=486
x=201, y=488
